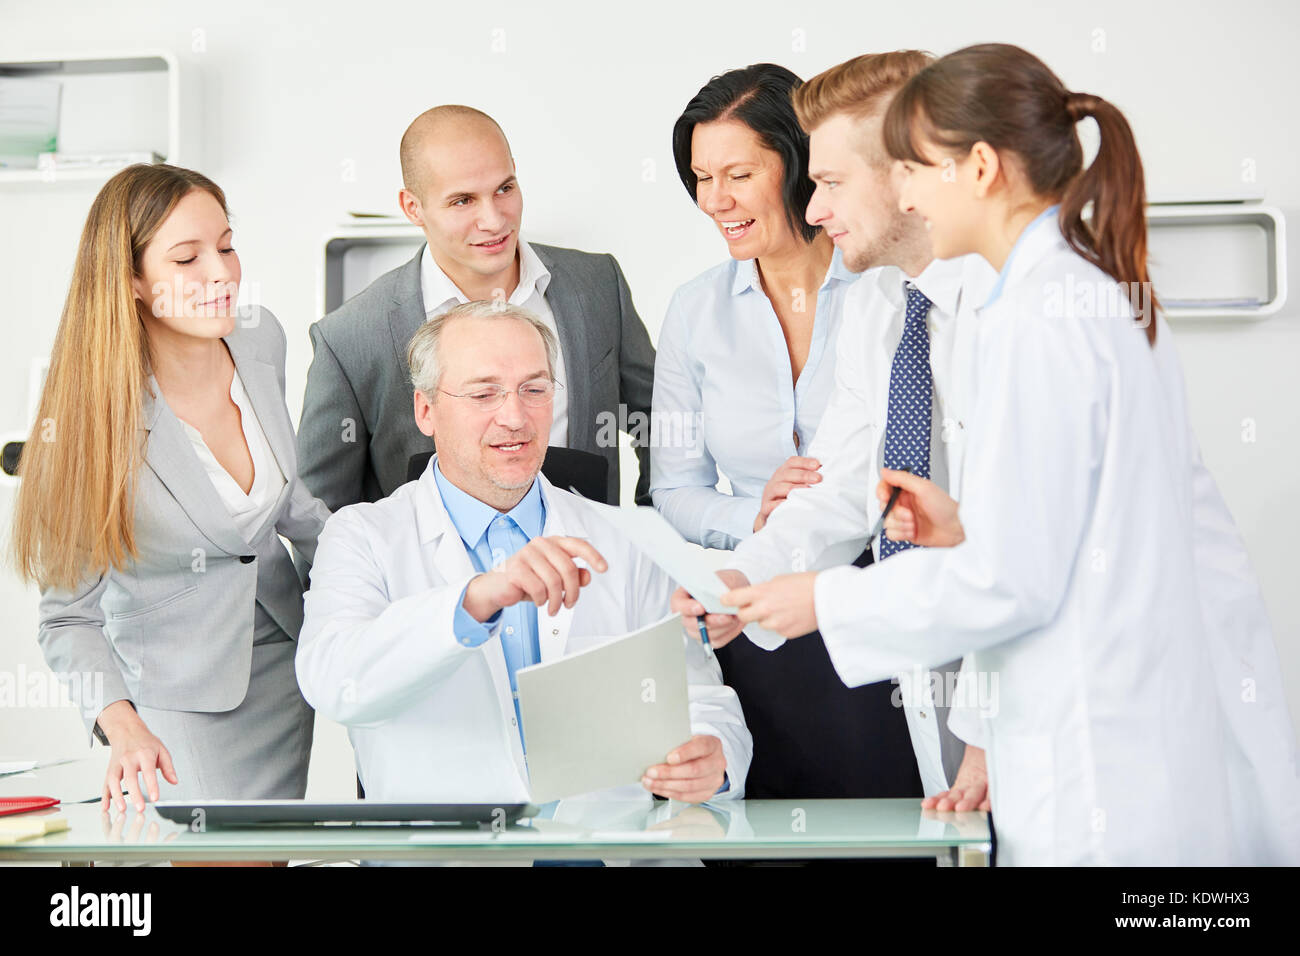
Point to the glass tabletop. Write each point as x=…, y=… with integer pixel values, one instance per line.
x=581, y=828
x=595, y=828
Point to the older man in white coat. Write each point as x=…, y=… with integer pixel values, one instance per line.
x=424, y=604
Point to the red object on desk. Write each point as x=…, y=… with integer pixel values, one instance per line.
x=25, y=804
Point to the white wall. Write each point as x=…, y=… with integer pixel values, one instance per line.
x=587, y=92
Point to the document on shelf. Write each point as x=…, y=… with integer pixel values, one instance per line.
x=599, y=718
x=689, y=566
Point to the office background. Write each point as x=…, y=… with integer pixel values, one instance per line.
x=301, y=105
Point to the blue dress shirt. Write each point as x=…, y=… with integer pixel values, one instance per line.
x=491, y=537
x=724, y=399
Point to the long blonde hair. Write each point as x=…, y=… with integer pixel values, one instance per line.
x=75, y=505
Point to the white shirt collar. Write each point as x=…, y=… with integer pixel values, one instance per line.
x=745, y=274
x=439, y=292
x=940, y=282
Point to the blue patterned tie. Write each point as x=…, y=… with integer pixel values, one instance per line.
x=907, y=430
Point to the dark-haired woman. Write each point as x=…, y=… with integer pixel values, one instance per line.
x=745, y=368
x=1070, y=575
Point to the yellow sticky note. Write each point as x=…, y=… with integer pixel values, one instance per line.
x=13, y=829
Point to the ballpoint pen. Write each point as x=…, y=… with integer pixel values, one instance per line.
x=893, y=499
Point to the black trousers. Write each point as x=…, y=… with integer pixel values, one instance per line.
x=814, y=737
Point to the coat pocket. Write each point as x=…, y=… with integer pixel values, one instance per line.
x=603, y=366
x=156, y=606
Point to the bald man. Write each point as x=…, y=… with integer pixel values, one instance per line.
x=357, y=434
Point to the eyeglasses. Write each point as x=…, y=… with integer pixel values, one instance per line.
x=490, y=397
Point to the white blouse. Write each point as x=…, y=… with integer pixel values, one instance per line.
x=250, y=510
x=724, y=398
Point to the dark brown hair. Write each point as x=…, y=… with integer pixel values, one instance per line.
x=759, y=97
x=1007, y=97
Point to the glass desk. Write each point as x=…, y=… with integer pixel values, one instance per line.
x=578, y=829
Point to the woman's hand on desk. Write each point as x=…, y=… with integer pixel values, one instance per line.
x=723, y=628
x=135, y=754
x=795, y=473
x=924, y=513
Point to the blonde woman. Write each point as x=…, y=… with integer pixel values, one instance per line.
x=160, y=474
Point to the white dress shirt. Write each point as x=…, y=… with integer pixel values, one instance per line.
x=250, y=510
x=724, y=399
x=441, y=294
x=432, y=719
x=827, y=524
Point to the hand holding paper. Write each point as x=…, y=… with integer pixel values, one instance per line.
x=599, y=718
x=659, y=541
x=723, y=628
x=693, y=773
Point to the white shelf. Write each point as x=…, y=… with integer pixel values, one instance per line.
x=60, y=176
x=1232, y=250
x=356, y=255
x=1229, y=250
x=133, y=101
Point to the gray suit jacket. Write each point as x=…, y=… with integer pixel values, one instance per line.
x=174, y=629
x=358, y=430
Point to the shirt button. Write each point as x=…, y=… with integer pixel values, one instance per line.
x=513, y=722
x=555, y=630
x=510, y=630
x=923, y=715
x=465, y=641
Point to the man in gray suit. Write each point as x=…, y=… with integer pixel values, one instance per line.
x=357, y=432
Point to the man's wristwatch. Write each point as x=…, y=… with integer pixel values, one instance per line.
x=99, y=731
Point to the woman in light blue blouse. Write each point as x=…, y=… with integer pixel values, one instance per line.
x=745, y=369
x=746, y=359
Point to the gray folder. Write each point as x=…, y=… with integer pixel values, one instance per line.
x=601, y=717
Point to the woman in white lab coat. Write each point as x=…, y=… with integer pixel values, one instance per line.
x=1071, y=577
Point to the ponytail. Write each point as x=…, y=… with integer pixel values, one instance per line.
x=1116, y=239
x=1005, y=96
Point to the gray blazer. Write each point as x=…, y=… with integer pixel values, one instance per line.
x=174, y=629
x=358, y=430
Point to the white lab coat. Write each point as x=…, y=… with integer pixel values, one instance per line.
x=434, y=721
x=1261, y=758
x=1263, y=779
x=826, y=524
x=1076, y=585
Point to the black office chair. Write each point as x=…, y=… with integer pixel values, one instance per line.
x=564, y=468
x=12, y=455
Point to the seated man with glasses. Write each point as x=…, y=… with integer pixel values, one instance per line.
x=424, y=604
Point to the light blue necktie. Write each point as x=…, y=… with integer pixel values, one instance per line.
x=907, y=430
x=518, y=625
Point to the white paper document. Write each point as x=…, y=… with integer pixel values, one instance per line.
x=601, y=717
x=689, y=566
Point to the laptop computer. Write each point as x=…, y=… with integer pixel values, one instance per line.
x=246, y=813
